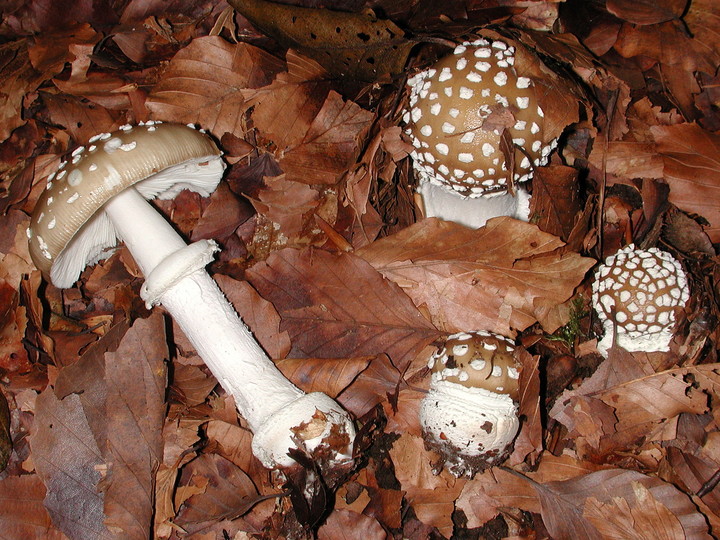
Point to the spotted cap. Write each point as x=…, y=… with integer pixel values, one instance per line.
x=477, y=360
x=636, y=293
x=67, y=230
x=459, y=109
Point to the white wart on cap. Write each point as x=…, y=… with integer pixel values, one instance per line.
x=459, y=109
x=469, y=415
x=67, y=229
x=636, y=294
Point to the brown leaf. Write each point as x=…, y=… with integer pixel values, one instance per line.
x=501, y=277
x=563, y=502
x=228, y=492
x=338, y=306
x=202, y=84
x=692, y=168
x=647, y=519
x=372, y=386
x=349, y=525
x=5, y=437
x=487, y=493
x=330, y=143
x=357, y=46
x=555, y=201
x=19, y=78
x=107, y=432
x=284, y=110
x=69, y=462
x=22, y=514
x=646, y=11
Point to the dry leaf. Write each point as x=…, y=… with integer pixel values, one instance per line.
x=501, y=277
x=691, y=167
x=338, y=306
x=202, y=84
x=356, y=46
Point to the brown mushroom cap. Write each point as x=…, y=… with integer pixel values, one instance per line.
x=636, y=293
x=459, y=109
x=67, y=231
x=478, y=360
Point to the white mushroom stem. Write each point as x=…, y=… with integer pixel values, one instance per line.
x=474, y=212
x=271, y=405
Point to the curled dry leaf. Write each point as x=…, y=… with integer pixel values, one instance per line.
x=502, y=277
x=357, y=46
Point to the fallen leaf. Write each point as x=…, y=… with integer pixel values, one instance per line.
x=691, y=167
x=501, y=277
x=647, y=11
x=349, y=525
x=202, y=84
x=563, y=503
x=357, y=46
x=22, y=514
x=338, y=306
x=228, y=492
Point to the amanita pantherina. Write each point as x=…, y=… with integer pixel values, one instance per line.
x=99, y=195
x=635, y=294
x=477, y=129
x=469, y=415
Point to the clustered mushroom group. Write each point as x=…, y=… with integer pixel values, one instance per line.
x=470, y=414
x=636, y=294
x=477, y=130
x=99, y=196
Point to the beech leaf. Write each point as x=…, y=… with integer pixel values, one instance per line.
x=501, y=277
x=692, y=168
x=338, y=306
x=202, y=84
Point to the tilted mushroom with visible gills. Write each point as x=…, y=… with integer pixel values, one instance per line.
x=636, y=293
x=99, y=196
x=470, y=414
x=460, y=108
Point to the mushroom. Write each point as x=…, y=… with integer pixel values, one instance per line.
x=470, y=414
x=636, y=294
x=477, y=131
x=99, y=196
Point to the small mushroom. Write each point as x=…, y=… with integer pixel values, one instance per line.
x=99, y=196
x=470, y=414
x=477, y=129
x=636, y=294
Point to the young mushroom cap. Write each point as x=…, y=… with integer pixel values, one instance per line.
x=470, y=413
x=67, y=231
x=477, y=127
x=636, y=294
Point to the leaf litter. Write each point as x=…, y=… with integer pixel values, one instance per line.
x=115, y=428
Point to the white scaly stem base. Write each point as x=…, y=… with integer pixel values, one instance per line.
x=271, y=404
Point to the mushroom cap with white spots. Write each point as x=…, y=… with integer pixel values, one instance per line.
x=636, y=293
x=67, y=229
x=459, y=109
x=477, y=360
x=469, y=415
